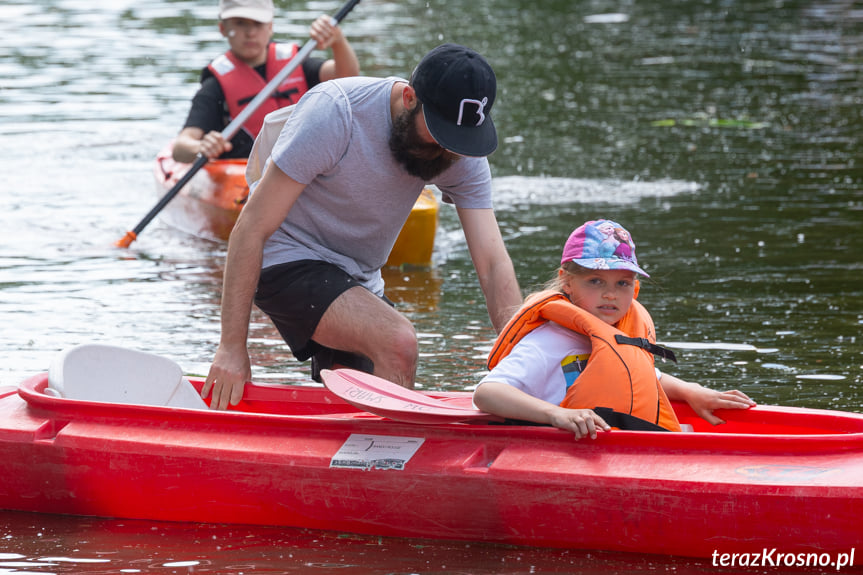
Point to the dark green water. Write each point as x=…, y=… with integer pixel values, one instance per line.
x=725, y=135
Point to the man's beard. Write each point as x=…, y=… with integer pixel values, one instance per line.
x=419, y=158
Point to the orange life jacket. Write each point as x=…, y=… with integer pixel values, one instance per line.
x=241, y=83
x=619, y=374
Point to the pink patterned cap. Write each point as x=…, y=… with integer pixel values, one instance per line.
x=602, y=245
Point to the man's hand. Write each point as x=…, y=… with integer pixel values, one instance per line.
x=227, y=378
x=326, y=32
x=213, y=145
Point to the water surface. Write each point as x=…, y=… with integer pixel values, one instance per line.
x=726, y=136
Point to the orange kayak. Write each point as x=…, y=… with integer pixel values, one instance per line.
x=209, y=204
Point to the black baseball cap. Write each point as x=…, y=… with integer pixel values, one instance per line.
x=457, y=88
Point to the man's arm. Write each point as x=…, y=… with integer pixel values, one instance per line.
x=344, y=61
x=266, y=209
x=202, y=130
x=493, y=264
x=192, y=141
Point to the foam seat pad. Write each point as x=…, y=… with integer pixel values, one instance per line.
x=106, y=373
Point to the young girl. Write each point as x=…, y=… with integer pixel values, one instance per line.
x=586, y=342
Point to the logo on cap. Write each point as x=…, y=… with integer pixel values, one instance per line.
x=481, y=106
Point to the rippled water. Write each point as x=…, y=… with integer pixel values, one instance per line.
x=726, y=136
x=109, y=546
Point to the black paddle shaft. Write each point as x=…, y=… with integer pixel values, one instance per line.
x=232, y=128
x=200, y=162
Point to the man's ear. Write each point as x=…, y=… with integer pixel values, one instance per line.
x=409, y=97
x=222, y=30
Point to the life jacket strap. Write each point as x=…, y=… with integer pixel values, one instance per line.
x=647, y=345
x=617, y=419
x=285, y=94
x=626, y=421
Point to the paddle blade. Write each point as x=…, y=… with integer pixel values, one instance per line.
x=387, y=399
x=126, y=240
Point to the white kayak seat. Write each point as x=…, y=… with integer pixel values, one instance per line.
x=106, y=373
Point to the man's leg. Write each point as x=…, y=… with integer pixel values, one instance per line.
x=360, y=322
x=328, y=358
x=316, y=305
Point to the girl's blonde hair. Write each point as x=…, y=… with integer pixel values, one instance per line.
x=556, y=282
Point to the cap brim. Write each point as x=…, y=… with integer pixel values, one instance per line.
x=262, y=16
x=476, y=141
x=609, y=264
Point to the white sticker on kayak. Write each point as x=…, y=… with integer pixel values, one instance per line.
x=376, y=452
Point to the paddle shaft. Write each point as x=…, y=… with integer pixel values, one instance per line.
x=231, y=129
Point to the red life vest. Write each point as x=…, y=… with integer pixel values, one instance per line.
x=241, y=83
x=619, y=373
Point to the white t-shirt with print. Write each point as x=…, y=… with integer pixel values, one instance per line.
x=544, y=363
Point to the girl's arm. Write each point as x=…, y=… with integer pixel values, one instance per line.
x=703, y=400
x=506, y=401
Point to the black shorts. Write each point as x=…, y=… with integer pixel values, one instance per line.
x=295, y=296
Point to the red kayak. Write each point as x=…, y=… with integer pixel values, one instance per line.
x=773, y=478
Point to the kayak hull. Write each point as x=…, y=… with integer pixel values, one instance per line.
x=210, y=203
x=780, y=478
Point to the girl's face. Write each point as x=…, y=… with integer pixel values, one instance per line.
x=607, y=294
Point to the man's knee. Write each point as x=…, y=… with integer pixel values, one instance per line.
x=396, y=356
x=404, y=345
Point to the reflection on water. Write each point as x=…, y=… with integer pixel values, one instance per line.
x=725, y=136
x=76, y=545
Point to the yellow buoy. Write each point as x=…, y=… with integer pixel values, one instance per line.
x=415, y=243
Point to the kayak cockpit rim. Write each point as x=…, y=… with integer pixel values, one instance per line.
x=279, y=405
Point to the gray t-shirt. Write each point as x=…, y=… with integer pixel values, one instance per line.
x=357, y=196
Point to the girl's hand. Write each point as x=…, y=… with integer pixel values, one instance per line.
x=703, y=400
x=582, y=422
x=706, y=400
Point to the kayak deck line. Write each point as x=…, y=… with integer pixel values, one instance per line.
x=270, y=401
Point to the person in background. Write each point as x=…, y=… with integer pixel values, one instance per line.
x=339, y=183
x=233, y=79
x=585, y=343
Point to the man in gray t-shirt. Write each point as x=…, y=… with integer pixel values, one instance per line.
x=341, y=180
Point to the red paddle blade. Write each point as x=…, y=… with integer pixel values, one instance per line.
x=385, y=398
